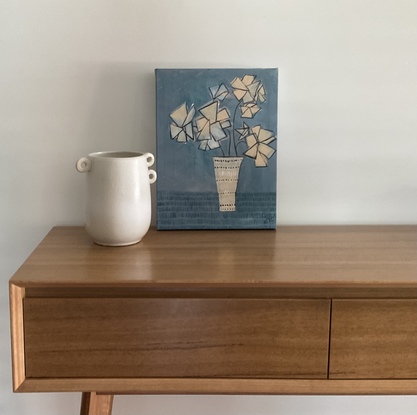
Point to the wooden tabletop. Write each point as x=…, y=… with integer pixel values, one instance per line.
x=345, y=257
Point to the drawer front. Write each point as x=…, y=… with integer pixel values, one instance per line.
x=374, y=339
x=137, y=337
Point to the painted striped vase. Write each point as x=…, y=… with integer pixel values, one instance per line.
x=226, y=172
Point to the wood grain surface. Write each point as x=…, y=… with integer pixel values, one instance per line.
x=233, y=386
x=303, y=309
x=374, y=339
x=17, y=334
x=219, y=338
x=94, y=404
x=304, y=257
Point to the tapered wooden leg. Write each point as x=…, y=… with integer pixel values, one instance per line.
x=93, y=404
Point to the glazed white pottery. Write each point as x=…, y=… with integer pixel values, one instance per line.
x=118, y=210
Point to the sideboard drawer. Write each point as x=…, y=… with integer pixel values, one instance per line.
x=172, y=337
x=374, y=339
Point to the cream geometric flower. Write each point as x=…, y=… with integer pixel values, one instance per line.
x=258, y=145
x=210, y=126
x=219, y=92
x=244, y=131
x=182, y=128
x=248, y=89
x=249, y=110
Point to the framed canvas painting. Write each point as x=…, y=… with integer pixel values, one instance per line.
x=216, y=148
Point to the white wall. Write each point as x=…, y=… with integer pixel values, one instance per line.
x=77, y=76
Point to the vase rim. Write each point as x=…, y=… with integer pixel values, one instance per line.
x=227, y=157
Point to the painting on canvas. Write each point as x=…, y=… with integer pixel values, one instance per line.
x=216, y=148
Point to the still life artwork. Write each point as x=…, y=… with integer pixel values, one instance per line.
x=216, y=148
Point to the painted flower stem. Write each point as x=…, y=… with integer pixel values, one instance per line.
x=233, y=137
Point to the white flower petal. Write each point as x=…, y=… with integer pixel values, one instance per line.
x=217, y=131
x=213, y=144
x=267, y=151
x=190, y=115
x=189, y=132
x=251, y=140
x=262, y=94
x=175, y=130
x=261, y=160
x=210, y=111
x=203, y=128
x=223, y=115
x=182, y=137
x=203, y=145
x=253, y=88
x=252, y=152
x=246, y=112
x=179, y=115
x=247, y=98
x=225, y=124
x=238, y=84
x=255, y=130
x=248, y=79
x=239, y=93
x=264, y=135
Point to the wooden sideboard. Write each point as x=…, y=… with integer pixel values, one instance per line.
x=299, y=310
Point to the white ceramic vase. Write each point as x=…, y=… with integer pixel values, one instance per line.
x=118, y=208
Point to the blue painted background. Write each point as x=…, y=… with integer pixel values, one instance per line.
x=182, y=168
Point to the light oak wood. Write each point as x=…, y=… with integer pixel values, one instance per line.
x=213, y=338
x=259, y=296
x=374, y=339
x=301, y=257
x=17, y=334
x=225, y=386
x=94, y=404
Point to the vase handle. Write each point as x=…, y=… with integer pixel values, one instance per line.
x=83, y=165
x=152, y=176
x=150, y=159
